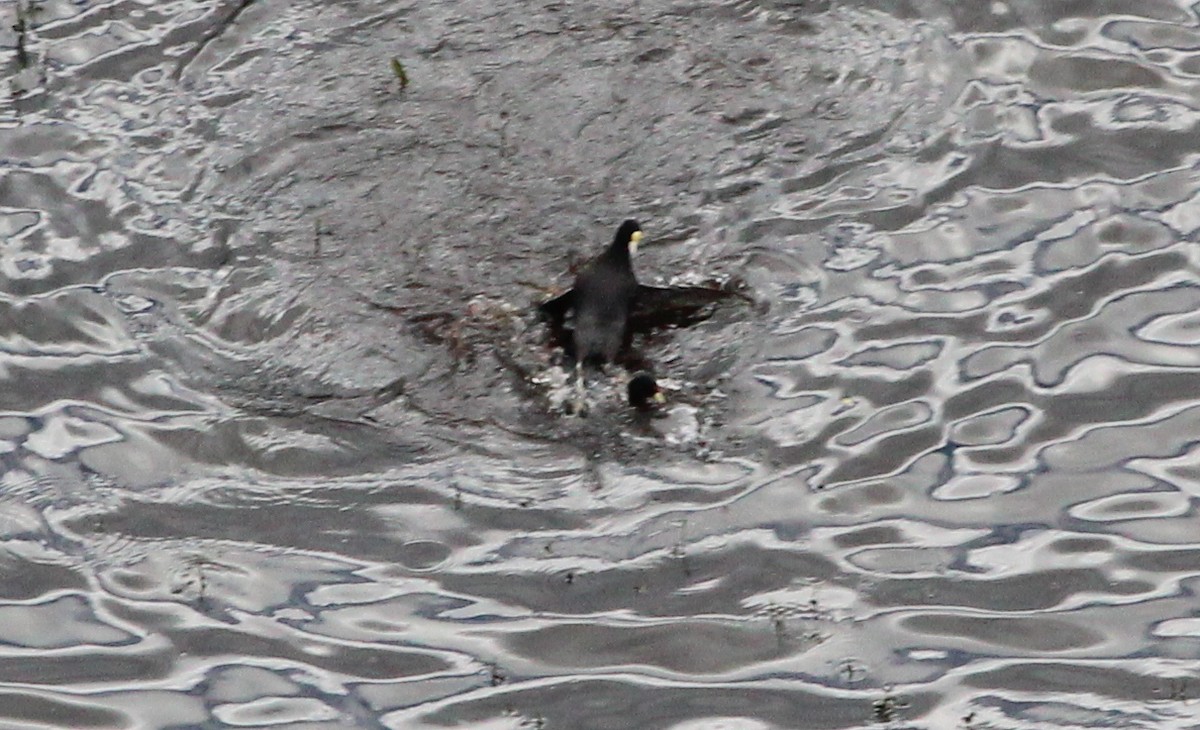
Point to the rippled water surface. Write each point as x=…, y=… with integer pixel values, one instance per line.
x=278, y=426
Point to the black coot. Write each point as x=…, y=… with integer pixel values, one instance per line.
x=644, y=392
x=604, y=294
x=602, y=298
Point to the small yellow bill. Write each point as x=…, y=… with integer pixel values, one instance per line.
x=634, y=240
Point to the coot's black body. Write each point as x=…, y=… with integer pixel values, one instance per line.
x=603, y=297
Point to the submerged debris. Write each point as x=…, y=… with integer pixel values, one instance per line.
x=27, y=77
x=401, y=74
x=21, y=27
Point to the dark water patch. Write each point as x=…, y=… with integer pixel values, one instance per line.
x=609, y=702
x=29, y=707
x=84, y=666
x=1053, y=676
x=669, y=647
x=1079, y=73
x=1047, y=589
x=28, y=579
x=1045, y=636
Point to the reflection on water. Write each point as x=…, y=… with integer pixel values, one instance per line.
x=275, y=439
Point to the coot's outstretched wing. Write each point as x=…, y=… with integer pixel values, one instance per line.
x=655, y=306
x=674, y=306
x=555, y=310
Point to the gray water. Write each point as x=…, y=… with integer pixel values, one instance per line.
x=279, y=434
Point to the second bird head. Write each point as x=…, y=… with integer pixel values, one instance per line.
x=644, y=393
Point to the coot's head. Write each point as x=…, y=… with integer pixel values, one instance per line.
x=644, y=392
x=629, y=235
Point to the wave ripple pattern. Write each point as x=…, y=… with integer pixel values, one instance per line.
x=275, y=442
